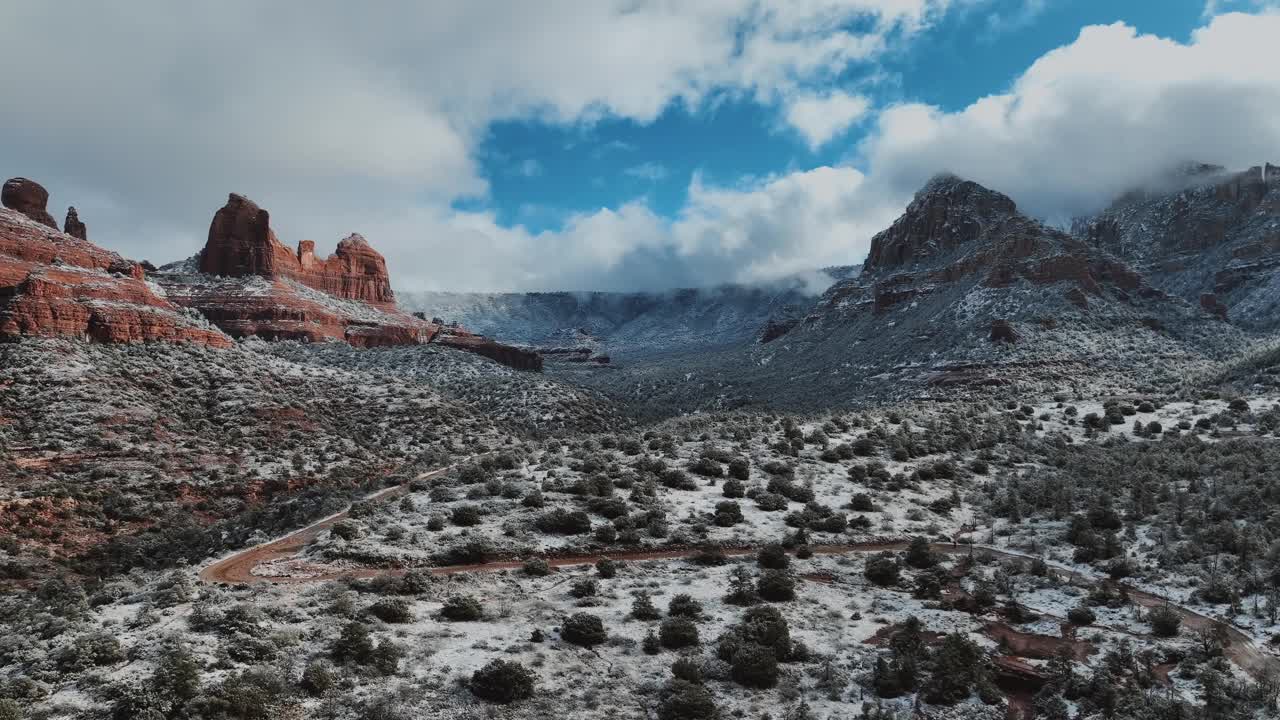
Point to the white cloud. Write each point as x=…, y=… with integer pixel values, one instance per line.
x=650, y=171
x=820, y=118
x=162, y=110
x=1099, y=116
x=765, y=230
x=340, y=119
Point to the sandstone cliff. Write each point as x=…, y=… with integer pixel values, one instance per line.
x=55, y=284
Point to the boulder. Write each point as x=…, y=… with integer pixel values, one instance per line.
x=1003, y=331
x=29, y=198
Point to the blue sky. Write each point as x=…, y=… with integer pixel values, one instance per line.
x=506, y=145
x=541, y=173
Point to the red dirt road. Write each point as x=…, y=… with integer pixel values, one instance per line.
x=238, y=570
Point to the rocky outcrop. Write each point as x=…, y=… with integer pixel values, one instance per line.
x=241, y=243
x=508, y=355
x=962, y=279
x=1211, y=304
x=55, y=284
x=249, y=283
x=73, y=227
x=1214, y=234
x=775, y=328
x=958, y=234
x=29, y=198
x=1002, y=331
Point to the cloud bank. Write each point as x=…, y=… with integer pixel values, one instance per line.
x=339, y=119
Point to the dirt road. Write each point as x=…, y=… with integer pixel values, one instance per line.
x=239, y=568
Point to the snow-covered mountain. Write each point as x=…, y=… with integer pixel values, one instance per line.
x=628, y=323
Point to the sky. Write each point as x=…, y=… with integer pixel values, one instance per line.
x=501, y=145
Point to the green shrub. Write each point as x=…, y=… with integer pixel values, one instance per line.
x=776, y=586
x=1165, y=622
x=1081, y=615
x=536, y=567
x=318, y=678
x=462, y=608
x=642, y=608
x=683, y=605
x=774, y=557
x=502, y=681
x=392, y=610
x=882, y=570
x=683, y=700
x=583, y=629
x=678, y=632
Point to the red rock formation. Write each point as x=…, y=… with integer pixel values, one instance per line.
x=53, y=284
x=241, y=243
x=281, y=309
x=73, y=227
x=29, y=198
x=508, y=355
x=251, y=284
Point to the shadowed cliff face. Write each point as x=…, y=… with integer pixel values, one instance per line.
x=1214, y=239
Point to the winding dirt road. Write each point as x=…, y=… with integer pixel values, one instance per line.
x=238, y=569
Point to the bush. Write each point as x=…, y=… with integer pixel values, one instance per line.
x=677, y=479
x=711, y=556
x=733, y=489
x=354, y=644
x=882, y=570
x=392, y=610
x=583, y=629
x=728, y=513
x=461, y=608
x=754, y=666
x=502, y=681
x=606, y=568
x=771, y=502
x=1165, y=622
x=687, y=669
x=684, y=700
x=465, y=516
x=706, y=467
x=318, y=678
x=774, y=557
x=776, y=586
x=740, y=469
x=650, y=644
x=678, y=632
x=1081, y=615
x=919, y=555
x=683, y=605
x=861, y=502
x=564, y=522
x=536, y=567
x=642, y=608
x=586, y=587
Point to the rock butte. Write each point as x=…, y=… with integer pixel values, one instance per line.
x=55, y=284
x=251, y=284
